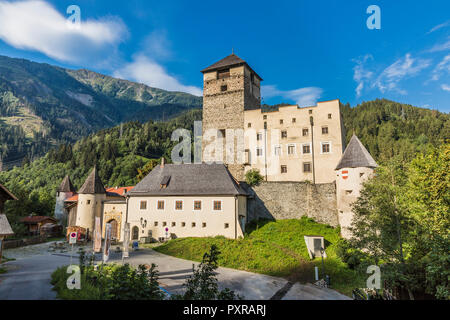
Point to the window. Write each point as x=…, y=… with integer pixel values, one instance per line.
x=160, y=204
x=324, y=130
x=281, y=121
x=259, y=137
x=310, y=111
x=283, y=134
x=173, y=224
x=306, y=148
x=227, y=225
x=259, y=152
x=193, y=224
x=135, y=233
x=305, y=132
x=249, y=125
x=277, y=150
x=264, y=117
x=217, y=205
x=326, y=147
x=156, y=223
x=143, y=205
x=223, y=74
x=164, y=224
x=283, y=169
x=361, y=174
x=348, y=192
x=89, y=202
x=183, y=224
x=329, y=116
x=204, y=225
x=294, y=120
x=291, y=149
x=306, y=166
x=179, y=205
x=223, y=88
x=197, y=205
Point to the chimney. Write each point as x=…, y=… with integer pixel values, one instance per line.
x=163, y=161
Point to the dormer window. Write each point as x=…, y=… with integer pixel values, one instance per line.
x=165, y=182
x=221, y=74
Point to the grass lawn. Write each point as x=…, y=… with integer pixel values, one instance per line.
x=274, y=248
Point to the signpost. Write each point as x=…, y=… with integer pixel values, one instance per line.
x=72, y=240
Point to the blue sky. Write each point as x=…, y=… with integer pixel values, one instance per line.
x=306, y=51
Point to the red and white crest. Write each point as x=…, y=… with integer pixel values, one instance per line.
x=344, y=174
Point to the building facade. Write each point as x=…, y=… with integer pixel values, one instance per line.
x=286, y=144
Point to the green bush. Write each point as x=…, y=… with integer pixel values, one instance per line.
x=253, y=177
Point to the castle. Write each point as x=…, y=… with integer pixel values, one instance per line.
x=300, y=152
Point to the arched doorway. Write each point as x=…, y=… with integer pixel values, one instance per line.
x=114, y=229
x=135, y=233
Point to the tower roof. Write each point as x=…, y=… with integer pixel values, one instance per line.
x=93, y=184
x=66, y=185
x=230, y=61
x=356, y=155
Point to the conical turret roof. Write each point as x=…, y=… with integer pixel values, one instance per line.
x=93, y=184
x=356, y=155
x=66, y=185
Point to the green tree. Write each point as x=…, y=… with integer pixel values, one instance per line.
x=253, y=177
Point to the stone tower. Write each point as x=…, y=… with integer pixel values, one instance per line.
x=355, y=167
x=90, y=198
x=230, y=86
x=65, y=191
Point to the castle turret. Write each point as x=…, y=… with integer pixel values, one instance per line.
x=230, y=86
x=355, y=167
x=64, y=191
x=90, y=198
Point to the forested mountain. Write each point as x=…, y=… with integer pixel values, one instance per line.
x=43, y=105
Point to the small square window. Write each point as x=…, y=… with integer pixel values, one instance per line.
x=183, y=224
x=143, y=205
x=160, y=204
x=281, y=121
x=361, y=174
x=217, y=205
x=89, y=202
x=306, y=149
x=329, y=116
x=259, y=137
x=227, y=225
x=164, y=224
x=174, y=224
x=223, y=88
x=324, y=130
x=348, y=192
x=204, y=225
x=325, y=148
x=156, y=223
x=193, y=224
x=294, y=120
x=310, y=111
x=178, y=205
x=277, y=150
x=306, y=167
x=284, y=134
x=249, y=125
x=259, y=152
x=264, y=117
x=283, y=169
x=305, y=132
x=197, y=205
x=291, y=149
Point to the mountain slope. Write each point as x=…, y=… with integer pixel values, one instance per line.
x=44, y=105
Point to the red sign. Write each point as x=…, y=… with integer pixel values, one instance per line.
x=344, y=174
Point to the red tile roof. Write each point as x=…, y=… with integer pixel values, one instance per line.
x=36, y=219
x=111, y=192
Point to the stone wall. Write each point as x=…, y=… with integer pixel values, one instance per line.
x=292, y=200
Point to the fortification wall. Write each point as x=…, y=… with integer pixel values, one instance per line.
x=292, y=200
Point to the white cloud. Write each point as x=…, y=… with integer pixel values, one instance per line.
x=145, y=70
x=307, y=96
x=445, y=87
x=157, y=45
x=360, y=74
x=441, y=46
x=36, y=25
x=442, y=68
x=401, y=69
x=439, y=26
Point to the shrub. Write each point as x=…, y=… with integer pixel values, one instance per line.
x=253, y=177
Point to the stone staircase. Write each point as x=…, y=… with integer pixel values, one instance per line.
x=311, y=292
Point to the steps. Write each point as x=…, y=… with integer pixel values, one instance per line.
x=311, y=292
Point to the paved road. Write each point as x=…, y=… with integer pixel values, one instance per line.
x=29, y=277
